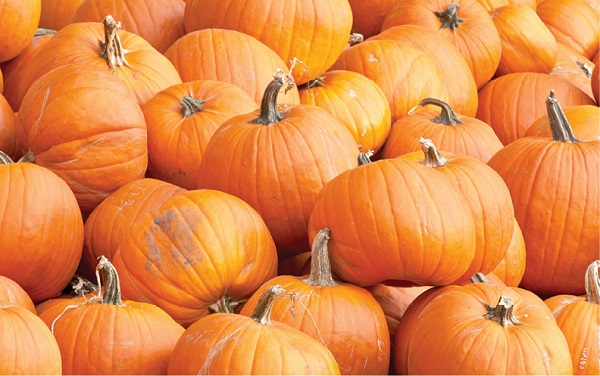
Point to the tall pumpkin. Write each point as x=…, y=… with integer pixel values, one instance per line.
x=556, y=196
x=18, y=21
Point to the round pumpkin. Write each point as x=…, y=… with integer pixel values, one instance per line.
x=8, y=130
x=57, y=13
x=78, y=290
x=584, y=121
x=18, y=21
x=511, y=268
x=12, y=293
x=574, y=67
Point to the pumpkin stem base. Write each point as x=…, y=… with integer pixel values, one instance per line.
x=224, y=305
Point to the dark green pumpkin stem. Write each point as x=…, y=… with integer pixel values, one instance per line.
x=433, y=158
x=480, y=278
x=559, y=125
x=190, y=106
x=268, y=107
x=320, y=266
x=262, y=311
x=592, y=283
x=447, y=114
x=503, y=312
x=112, y=287
x=111, y=48
x=449, y=18
x=5, y=159
x=224, y=305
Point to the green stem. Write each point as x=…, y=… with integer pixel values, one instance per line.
x=449, y=18
x=112, y=287
x=268, y=107
x=320, y=266
x=447, y=114
x=190, y=105
x=5, y=159
x=29, y=157
x=480, y=278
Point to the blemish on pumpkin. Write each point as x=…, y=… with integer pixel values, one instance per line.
x=372, y=58
x=352, y=94
x=583, y=359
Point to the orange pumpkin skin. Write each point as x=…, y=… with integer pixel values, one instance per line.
x=57, y=13
x=198, y=248
x=474, y=33
x=312, y=31
x=491, y=5
x=293, y=265
x=357, y=101
x=41, y=230
x=504, y=111
x=584, y=120
x=95, y=155
x=574, y=67
x=527, y=44
x=442, y=324
x=511, y=268
x=368, y=16
x=462, y=89
x=179, y=127
x=27, y=346
x=12, y=293
x=19, y=20
x=8, y=130
x=159, y=22
x=596, y=81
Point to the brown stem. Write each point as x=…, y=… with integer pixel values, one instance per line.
x=364, y=157
x=5, y=159
x=319, y=81
x=41, y=31
x=320, y=266
x=559, y=125
x=111, y=48
x=587, y=70
x=224, y=305
x=112, y=288
x=503, y=312
x=268, y=107
x=81, y=286
x=449, y=18
x=433, y=158
x=592, y=283
x=190, y=105
x=355, y=38
x=480, y=278
x=262, y=311
x=29, y=157
x=447, y=114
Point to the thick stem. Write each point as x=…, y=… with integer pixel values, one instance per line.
x=29, y=157
x=559, y=125
x=4, y=158
x=268, y=107
x=364, y=157
x=433, y=158
x=480, y=278
x=320, y=266
x=592, y=283
x=111, y=48
x=262, y=311
x=587, y=70
x=449, y=18
x=190, y=105
x=112, y=288
x=503, y=312
x=447, y=114
x=224, y=305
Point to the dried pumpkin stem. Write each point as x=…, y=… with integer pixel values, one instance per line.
x=364, y=157
x=190, y=105
x=587, y=70
x=224, y=305
x=112, y=287
x=319, y=81
x=268, y=107
x=29, y=157
x=81, y=286
x=433, y=158
x=559, y=125
x=592, y=283
x=449, y=18
x=41, y=31
x=5, y=159
x=355, y=38
x=503, y=312
x=447, y=114
x=111, y=48
x=262, y=311
x=480, y=278
x=320, y=266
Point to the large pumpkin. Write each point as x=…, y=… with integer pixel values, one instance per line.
x=57, y=13
x=18, y=21
x=584, y=121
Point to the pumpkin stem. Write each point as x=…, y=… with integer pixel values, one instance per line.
x=112, y=289
x=319, y=81
x=5, y=159
x=224, y=305
x=585, y=68
x=320, y=266
x=503, y=312
x=559, y=125
x=433, y=158
x=480, y=278
x=355, y=38
x=449, y=18
x=447, y=114
x=364, y=157
x=81, y=286
x=111, y=48
x=268, y=107
x=41, y=31
x=262, y=311
x=29, y=157
x=190, y=105
x=592, y=283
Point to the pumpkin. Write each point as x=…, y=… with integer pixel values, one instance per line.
x=368, y=16
x=584, y=121
x=491, y=5
x=462, y=89
x=527, y=44
x=27, y=346
x=41, y=229
x=293, y=265
x=313, y=32
x=262, y=346
x=491, y=329
x=451, y=132
x=554, y=189
x=574, y=67
x=12, y=293
x=159, y=22
x=357, y=101
x=511, y=115
x=95, y=155
x=328, y=311
x=278, y=161
x=465, y=23
x=182, y=119
x=406, y=74
x=228, y=55
x=596, y=81
x=56, y=14
x=106, y=335
x=78, y=290
x=200, y=251
x=579, y=319
x=511, y=268
x=8, y=130
x=18, y=21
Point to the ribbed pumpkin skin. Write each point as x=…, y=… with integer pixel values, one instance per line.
x=97, y=148
x=462, y=88
x=194, y=249
x=159, y=22
x=584, y=120
x=490, y=5
x=41, y=230
x=395, y=219
x=57, y=13
x=511, y=115
x=228, y=55
x=512, y=267
x=368, y=16
x=176, y=143
x=27, y=346
x=313, y=31
x=574, y=68
x=232, y=344
x=19, y=20
x=8, y=130
x=12, y=293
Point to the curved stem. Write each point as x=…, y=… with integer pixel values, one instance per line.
x=262, y=311
x=503, y=312
x=112, y=288
x=592, y=283
x=447, y=114
x=587, y=70
x=480, y=278
x=559, y=125
x=433, y=158
x=224, y=305
x=320, y=266
x=449, y=18
x=190, y=105
x=29, y=157
x=5, y=159
x=268, y=107
x=111, y=48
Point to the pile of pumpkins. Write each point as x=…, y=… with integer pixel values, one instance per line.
x=299, y=187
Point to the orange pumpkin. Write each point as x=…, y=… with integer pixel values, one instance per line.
x=596, y=80
x=491, y=5
x=18, y=21
x=574, y=67
x=584, y=121
x=368, y=16
x=8, y=130
x=57, y=13
x=511, y=268
x=12, y=293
